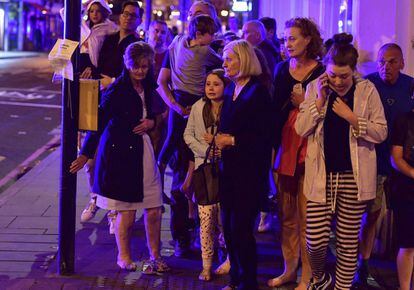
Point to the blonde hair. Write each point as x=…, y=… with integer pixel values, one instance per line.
x=249, y=63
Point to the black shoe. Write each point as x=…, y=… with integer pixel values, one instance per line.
x=323, y=284
x=361, y=277
x=181, y=250
x=166, y=199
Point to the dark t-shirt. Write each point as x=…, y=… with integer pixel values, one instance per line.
x=111, y=56
x=403, y=135
x=336, y=135
x=396, y=99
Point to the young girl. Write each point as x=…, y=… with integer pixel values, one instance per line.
x=204, y=119
x=343, y=118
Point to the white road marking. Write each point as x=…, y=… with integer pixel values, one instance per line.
x=31, y=90
x=21, y=133
x=47, y=118
x=30, y=105
x=25, y=96
x=14, y=116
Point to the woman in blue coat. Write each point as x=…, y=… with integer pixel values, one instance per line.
x=245, y=141
x=126, y=175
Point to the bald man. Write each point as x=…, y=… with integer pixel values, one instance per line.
x=396, y=91
x=255, y=33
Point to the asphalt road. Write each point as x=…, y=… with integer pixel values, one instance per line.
x=30, y=108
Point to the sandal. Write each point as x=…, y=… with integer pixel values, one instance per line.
x=281, y=280
x=205, y=275
x=150, y=267
x=224, y=268
x=129, y=266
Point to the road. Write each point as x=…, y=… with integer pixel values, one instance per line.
x=30, y=108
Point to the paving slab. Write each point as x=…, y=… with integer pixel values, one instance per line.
x=33, y=238
x=29, y=233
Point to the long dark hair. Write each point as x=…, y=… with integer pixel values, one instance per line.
x=208, y=116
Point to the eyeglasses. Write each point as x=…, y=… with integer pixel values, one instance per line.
x=392, y=62
x=126, y=14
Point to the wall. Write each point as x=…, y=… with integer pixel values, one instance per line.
x=374, y=22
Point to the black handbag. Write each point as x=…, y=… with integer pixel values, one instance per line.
x=206, y=179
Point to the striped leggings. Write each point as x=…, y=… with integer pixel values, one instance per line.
x=342, y=200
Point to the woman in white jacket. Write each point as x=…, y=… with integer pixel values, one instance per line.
x=95, y=27
x=202, y=124
x=343, y=118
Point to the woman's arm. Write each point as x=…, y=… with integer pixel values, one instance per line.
x=199, y=148
x=311, y=112
x=399, y=163
x=374, y=127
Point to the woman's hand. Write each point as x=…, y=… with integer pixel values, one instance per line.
x=78, y=164
x=342, y=110
x=144, y=126
x=216, y=153
x=208, y=138
x=105, y=81
x=297, y=98
x=223, y=141
x=86, y=74
x=182, y=111
x=322, y=87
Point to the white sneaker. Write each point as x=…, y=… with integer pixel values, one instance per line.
x=265, y=223
x=90, y=210
x=111, y=221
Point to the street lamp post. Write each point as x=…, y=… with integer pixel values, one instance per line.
x=67, y=186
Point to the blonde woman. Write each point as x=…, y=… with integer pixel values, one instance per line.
x=244, y=138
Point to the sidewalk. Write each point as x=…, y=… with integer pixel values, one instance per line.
x=29, y=234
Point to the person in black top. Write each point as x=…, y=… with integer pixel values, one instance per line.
x=110, y=62
x=402, y=194
x=255, y=33
x=271, y=28
x=126, y=176
x=304, y=46
x=245, y=140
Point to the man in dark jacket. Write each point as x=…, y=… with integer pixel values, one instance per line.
x=110, y=62
x=255, y=33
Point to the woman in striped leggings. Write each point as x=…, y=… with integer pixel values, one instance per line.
x=342, y=117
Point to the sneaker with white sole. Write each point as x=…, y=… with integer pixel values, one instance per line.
x=322, y=284
x=111, y=221
x=90, y=210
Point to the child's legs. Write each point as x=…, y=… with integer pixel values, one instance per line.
x=208, y=215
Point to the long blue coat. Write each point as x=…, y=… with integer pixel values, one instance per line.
x=245, y=167
x=119, y=168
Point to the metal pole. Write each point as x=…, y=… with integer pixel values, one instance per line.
x=183, y=13
x=148, y=14
x=254, y=14
x=67, y=187
x=20, y=34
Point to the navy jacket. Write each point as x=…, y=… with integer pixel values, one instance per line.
x=119, y=168
x=245, y=167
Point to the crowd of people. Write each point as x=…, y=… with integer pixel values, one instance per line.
x=235, y=116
